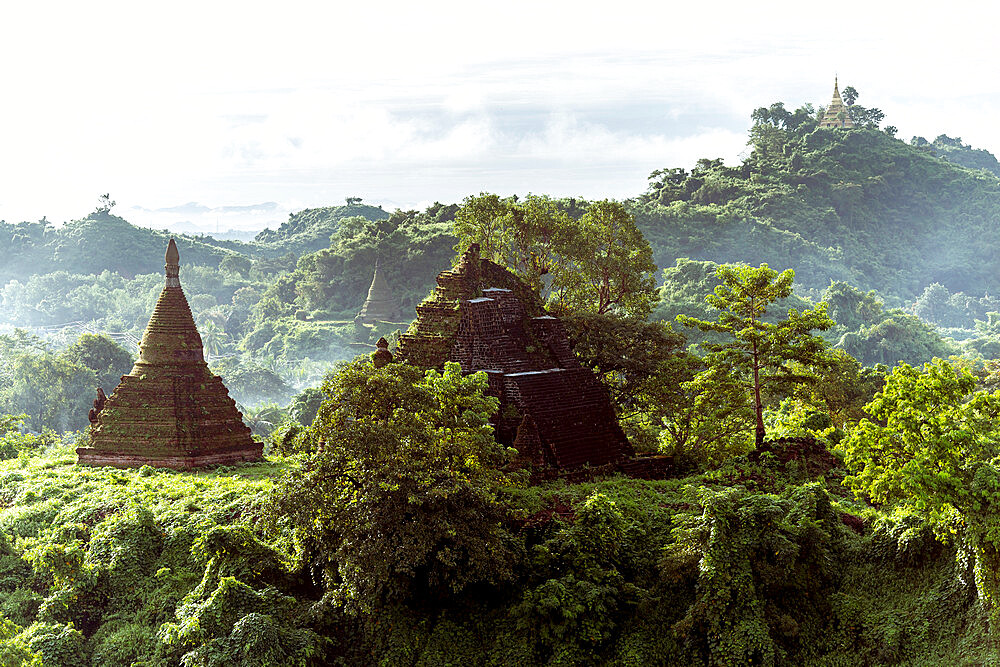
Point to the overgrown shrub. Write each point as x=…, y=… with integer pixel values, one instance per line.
x=764, y=565
x=580, y=591
x=234, y=624
x=14, y=650
x=58, y=645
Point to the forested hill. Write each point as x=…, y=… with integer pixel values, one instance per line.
x=859, y=206
x=99, y=242
x=953, y=150
x=310, y=230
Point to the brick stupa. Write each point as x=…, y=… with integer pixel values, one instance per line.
x=552, y=409
x=380, y=304
x=170, y=411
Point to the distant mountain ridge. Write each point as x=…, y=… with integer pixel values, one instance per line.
x=99, y=242
x=858, y=206
x=953, y=150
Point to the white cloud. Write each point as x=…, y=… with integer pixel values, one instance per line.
x=304, y=102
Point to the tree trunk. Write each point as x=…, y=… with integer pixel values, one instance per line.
x=758, y=406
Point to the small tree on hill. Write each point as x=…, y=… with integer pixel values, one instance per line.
x=850, y=94
x=105, y=204
x=761, y=352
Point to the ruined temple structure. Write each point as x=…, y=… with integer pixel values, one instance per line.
x=380, y=304
x=170, y=411
x=837, y=114
x=552, y=409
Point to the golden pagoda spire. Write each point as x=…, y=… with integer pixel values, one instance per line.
x=837, y=114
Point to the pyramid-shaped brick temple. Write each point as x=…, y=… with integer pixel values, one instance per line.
x=170, y=411
x=553, y=409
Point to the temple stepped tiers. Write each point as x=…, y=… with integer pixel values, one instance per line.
x=837, y=114
x=552, y=409
x=170, y=411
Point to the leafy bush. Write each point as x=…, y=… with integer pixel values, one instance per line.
x=401, y=502
x=126, y=548
x=14, y=650
x=580, y=593
x=763, y=565
x=58, y=645
x=119, y=643
x=231, y=623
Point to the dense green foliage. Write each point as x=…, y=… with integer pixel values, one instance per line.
x=99, y=242
x=934, y=448
x=636, y=360
x=51, y=389
x=107, y=567
x=599, y=263
x=107, y=359
x=751, y=564
x=399, y=502
x=310, y=230
x=953, y=150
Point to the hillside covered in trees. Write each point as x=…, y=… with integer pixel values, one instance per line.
x=807, y=344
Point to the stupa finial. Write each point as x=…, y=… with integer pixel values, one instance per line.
x=173, y=269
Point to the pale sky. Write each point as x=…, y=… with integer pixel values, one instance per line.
x=233, y=105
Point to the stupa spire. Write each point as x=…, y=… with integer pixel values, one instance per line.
x=173, y=265
x=380, y=304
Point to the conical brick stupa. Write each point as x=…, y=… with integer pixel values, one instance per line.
x=170, y=411
x=380, y=304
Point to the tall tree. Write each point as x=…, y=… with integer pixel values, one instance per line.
x=760, y=351
x=600, y=263
x=482, y=219
x=53, y=391
x=105, y=357
x=850, y=94
x=606, y=266
x=526, y=237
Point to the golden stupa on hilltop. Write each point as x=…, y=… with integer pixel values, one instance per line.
x=837, y=114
